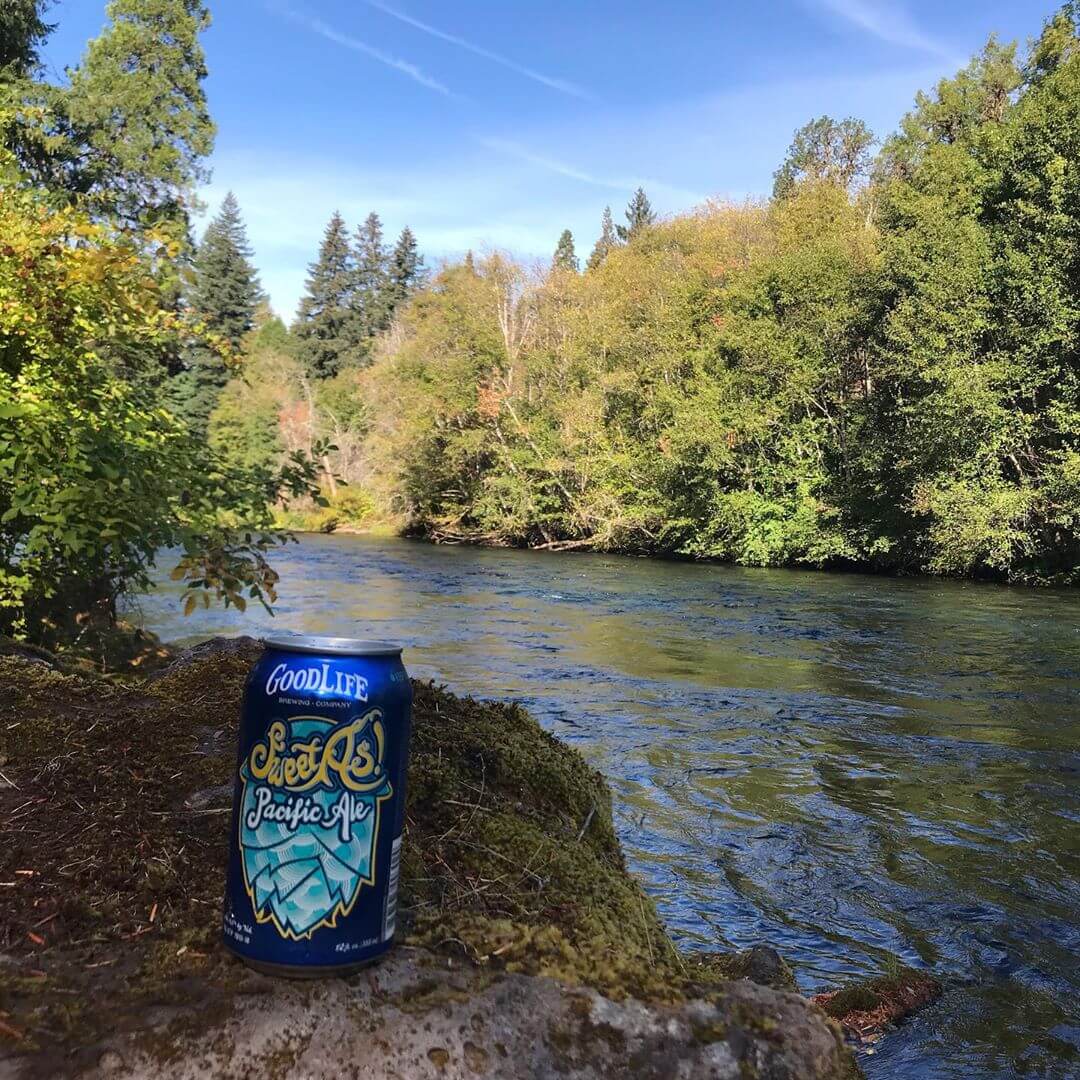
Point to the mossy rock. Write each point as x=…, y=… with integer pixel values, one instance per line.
x=868, y=1006
x=115, y=810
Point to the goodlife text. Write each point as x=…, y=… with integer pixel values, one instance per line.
x=317, y=680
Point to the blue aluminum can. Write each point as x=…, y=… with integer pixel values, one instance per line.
x=319, y=806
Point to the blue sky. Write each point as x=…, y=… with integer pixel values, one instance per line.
x=498, y=123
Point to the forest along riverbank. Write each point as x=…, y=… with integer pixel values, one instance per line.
x=852, y=768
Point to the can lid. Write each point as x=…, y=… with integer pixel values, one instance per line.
x=337, y=646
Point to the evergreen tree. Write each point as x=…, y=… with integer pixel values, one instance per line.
x=22, y=30
x=565, y=257
x=128, y=135
x=226, y=297
x=227, y=292
x=406, y=272
x=325, y=323
x=639, y=215
x=607, y=241
x=371, y=300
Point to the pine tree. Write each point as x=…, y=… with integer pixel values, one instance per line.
x=324, y=325
x=639, y=215
x=406, y=272
x=226, y=298
x=565, y=257
x=227, y=292
x=606, y=243
x=22, y=30
x=370, y=300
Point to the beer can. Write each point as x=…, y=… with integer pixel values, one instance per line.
x=318, y=807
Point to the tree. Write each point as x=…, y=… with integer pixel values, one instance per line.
x=22, y=30
x=962, y=109
x=325, y=326
x=834, y=151
x=606, y=242
x=565, y=257
x=639, y=215
x=225, y=298
x=96, y=477
x=405, y=273
x=227, y=293
x=370, y=298
x=128, y=134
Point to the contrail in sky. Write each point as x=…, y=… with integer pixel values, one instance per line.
x=624, y=184
x=336, y=36
x=889, y=22
x=562, y=85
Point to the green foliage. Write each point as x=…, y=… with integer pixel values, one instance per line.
x=605, y=243
x=639, y=216
x=226, y=295
x=880, y=368
x=835, y=151
x=405, y=273
x=127, y=134
x=353, y=294
x=22, y=30
x=325, y=322
x=225, y=298
x=96, y=477
x=371, y=301
x=350, y=509
x=565, y=258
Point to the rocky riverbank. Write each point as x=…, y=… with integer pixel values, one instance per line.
x=529, y=949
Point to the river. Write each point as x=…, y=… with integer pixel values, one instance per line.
x=851, y=768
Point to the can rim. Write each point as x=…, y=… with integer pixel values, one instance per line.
x=337, y=646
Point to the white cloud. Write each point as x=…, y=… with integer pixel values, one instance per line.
x=404, y=66
x=888, y=21
x=562, y=85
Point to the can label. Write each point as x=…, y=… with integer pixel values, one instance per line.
x=310, y=819
x=318, y=810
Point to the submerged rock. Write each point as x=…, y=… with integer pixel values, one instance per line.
x=526, y=930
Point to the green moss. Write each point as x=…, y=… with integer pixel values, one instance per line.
x=894, y=995
x=510, y=854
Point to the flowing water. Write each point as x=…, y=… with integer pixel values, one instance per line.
x=848, y=767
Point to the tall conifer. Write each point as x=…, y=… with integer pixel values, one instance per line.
x=22, y=31
x=639, y=215
x=406, y=272
x=565, y=257
x=606, y=242
x=370, y=300
x=226, y=297
x=325, y=324
x=136, y=116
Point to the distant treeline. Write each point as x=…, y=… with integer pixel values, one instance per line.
x=877, y=367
